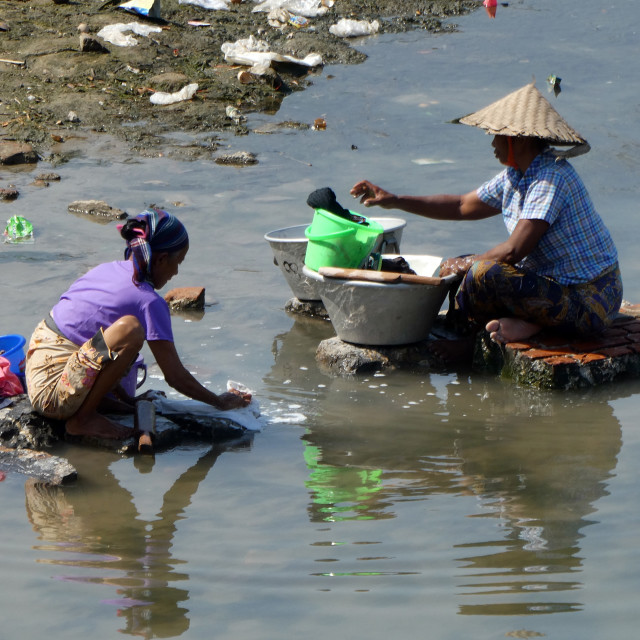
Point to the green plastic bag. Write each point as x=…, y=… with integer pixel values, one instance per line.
x=18, y=229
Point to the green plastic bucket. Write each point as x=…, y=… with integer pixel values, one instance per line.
x=338, y=242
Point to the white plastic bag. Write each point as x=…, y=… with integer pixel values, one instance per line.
x=117, y=33
x=186, y=93
x=213, y=5
x=346, y=28
x=253, y=52
x=306, y=8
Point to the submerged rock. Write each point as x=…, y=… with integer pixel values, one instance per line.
x=96, y=209
x=17, y=153
x=182, y=298
x=38, y=465
x=9, y=194
x=239, y=158
x=22, y=428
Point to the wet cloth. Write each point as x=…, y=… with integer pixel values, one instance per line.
x=492, y=290
x=105, y=294
x=59, y=373
x=577, y=247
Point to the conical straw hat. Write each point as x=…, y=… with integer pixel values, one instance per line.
x=525, y=112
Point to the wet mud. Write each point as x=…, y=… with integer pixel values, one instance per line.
x=52, y=90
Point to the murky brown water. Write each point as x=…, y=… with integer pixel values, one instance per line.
x=381, y=505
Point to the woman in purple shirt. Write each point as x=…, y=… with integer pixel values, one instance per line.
x=82, y=350
x=559, y=266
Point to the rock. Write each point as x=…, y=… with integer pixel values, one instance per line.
x=185, y=298
x=72, y=116
x=311, y=308
x=17, y=153
x=22, y=428
x=48, y=177
x=89, y=44
x=239, y=158
x=9, y=194
x=97, y=209
x=337, y=356
x=169, y=82
x=552, y=361
x=39, y=465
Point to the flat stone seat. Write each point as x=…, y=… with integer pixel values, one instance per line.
x=552, y=361
x=546, y=361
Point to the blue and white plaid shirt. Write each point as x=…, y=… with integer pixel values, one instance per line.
x=577, y=247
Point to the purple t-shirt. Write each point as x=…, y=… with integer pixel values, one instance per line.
x=104, y=294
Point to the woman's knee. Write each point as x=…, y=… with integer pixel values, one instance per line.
x=125, y=332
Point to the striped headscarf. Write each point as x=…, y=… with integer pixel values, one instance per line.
x=152, y=231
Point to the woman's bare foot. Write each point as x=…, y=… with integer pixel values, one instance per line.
x=97, y=426
x=507, y=330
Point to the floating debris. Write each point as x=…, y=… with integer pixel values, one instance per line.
x=554, y=84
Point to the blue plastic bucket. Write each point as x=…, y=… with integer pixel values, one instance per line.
x=12, y=348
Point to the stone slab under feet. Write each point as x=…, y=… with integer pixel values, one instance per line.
x=551, y=361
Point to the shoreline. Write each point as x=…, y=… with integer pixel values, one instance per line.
x=52, y=90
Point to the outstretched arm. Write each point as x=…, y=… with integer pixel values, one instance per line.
x=177, y=376
x=436, y=207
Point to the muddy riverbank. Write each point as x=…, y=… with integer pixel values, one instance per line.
x=52, y=90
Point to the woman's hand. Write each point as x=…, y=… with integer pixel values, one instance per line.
x=233, y=400
x=456, y=266
x=370, y=195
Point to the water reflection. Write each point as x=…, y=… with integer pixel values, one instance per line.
x=94, y=528
x=528, y=466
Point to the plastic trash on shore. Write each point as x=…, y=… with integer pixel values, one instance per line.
x=212, y=5
x=346, y=28
x=18, y=231
x=117, y=33
x=149, y=8
x=255, y=53
x=306, y=8
x=186, y=93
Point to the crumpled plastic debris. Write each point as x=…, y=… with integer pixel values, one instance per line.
x=306, y=8
x=10, y=384
x=234, y=113
x=150, y=8
x=554, y=84
x=186, y=93
x=117, y=33
x=346, y=28
x=212, y=5
x=18, y=230
x=491, y=6
x=280, y=18
x=255, y=53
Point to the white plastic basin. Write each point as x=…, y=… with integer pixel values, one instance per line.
x=289, y=246
x=379, y=314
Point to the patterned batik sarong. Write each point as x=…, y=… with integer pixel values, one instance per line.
x=491, y=290
x=59, y=373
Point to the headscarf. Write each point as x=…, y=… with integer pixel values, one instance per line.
x=153, y=230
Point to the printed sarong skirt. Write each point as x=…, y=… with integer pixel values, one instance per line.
x=59, y=373
x=492, y=290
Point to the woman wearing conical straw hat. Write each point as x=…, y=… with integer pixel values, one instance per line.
x=559, y=266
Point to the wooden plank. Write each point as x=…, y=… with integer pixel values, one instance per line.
x=369, y=275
